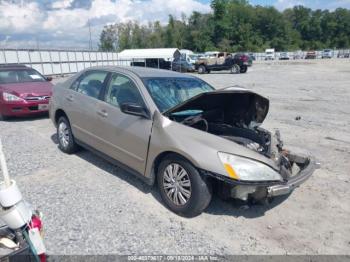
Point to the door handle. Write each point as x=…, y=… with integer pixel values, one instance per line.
x=102, y=113
x=70, y=98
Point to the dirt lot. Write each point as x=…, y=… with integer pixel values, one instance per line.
x=92, y=207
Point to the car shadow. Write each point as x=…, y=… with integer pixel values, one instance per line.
x=223, y=72
x=238, y=208
x=26, y=118
x=232, y=207
x=108, y=167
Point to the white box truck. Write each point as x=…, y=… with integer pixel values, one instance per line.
x=270, y=54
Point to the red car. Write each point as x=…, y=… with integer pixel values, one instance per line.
x=23, y=91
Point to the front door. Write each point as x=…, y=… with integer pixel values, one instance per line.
x=124, y=137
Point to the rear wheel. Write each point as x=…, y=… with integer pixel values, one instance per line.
x=243, y=69
x=182, y=188
x=65, y=136
x=201, y=69
x=235, y=69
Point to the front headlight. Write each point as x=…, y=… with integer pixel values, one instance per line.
x=241, y=168
x=11, y=97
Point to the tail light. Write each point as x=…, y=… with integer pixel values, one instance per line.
x=244, y=58
x=37, y=223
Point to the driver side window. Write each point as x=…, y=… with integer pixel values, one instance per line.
x=122, y=90
x=91, y=83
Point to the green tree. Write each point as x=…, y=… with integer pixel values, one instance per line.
x=235, y=25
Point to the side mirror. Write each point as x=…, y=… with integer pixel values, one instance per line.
x=49, y=78
x=135, y=110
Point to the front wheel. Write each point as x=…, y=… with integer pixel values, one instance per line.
x=235, y=69
x=201, y=69
x=182, y=188
x=243, y=69
x=65, y=136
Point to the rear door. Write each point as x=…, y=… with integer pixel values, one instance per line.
x=81, y=104
x=123, y=137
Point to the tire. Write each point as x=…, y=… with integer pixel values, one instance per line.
x=202, y=69
x=3, y=118
x=235, y=69
x=193, y=196
x=243, y=69
x=66, y=142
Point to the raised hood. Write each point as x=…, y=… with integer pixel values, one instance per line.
x=238, y=105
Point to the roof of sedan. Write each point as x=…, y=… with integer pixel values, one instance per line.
x=146, y=71
x=13, y=66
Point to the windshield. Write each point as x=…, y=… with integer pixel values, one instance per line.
x=169, y=92
x=20, y=76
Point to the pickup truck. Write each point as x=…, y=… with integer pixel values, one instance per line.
x=223, y=61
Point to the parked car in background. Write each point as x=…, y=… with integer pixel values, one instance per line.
x=327, y=53
x=284, y=56
x=310, y=55
x=298, y=54
x=252, y=56
x=23, y=91
x=192, y=59
x=177, y=130
x=343, y=54
x=182, y=65
x=250, y=59
x=223, y=61
x=270, y=54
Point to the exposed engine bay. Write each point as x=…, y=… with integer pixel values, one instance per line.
x=236, y=117
x=253, y=137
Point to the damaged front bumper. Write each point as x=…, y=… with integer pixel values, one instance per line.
x=261, y=190
x=288, y=186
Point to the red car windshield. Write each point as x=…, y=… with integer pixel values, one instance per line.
x=8, y=76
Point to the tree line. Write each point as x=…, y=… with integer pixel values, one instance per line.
x=235, y=25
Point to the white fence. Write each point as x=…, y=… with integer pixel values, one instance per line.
x=55, y=62
x=58, y=62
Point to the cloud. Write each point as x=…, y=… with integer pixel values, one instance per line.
x=65, y=22
x=19, y=18
x=62, y=4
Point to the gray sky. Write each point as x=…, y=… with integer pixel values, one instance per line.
x=64, y=23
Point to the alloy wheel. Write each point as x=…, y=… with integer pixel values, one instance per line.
x=63, y=134
x=177, y=184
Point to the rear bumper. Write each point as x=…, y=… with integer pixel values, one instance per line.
x=23, y=108
x=294, y=182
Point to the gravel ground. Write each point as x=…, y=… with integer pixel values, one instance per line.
x=93, y=207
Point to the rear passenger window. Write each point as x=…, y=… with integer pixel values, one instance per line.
x=122, y=90
x=91, y=83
